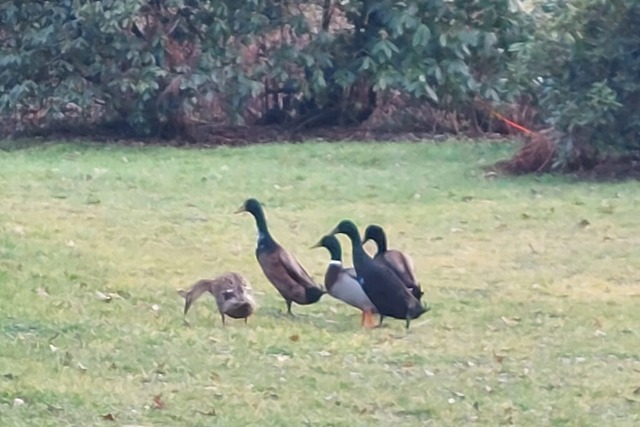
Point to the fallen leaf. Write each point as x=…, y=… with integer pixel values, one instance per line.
x=498, y=357
x=211, y=413
x=42, y=292
x=476, y=406
x=108, y=417
x=509, y=322
x=158, y=403
x=81, y=367
x=636, y=391
x=606, y=207
x=525, y=216
x=295, y=337
x=103, y=297
x=584, y=223
x=597, y=323
x=18, y=402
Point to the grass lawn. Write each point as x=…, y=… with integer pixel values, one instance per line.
x=533, y=283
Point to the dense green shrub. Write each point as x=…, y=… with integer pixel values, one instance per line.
x=149, y=64
x=144, y=61
x=582, y=64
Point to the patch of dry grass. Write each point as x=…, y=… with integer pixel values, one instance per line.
x=533, y=283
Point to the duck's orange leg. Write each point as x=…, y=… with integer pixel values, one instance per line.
x=367, y=319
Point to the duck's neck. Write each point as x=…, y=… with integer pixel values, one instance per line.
x=336, y=255
x=382, y=244
x=265, y=241
x=359, y=255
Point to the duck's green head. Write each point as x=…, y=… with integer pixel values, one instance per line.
x=252, y=206
x=349, y=228
x=333, y=246
x=376, y=233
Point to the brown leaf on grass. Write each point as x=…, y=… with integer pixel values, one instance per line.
x=210, y=413
x=510, y=322
x=498, y=357
x=636, y=391
x=584, y=223
x=108, y=417
x=295, y=337
x=158, y=403
x=597, y=323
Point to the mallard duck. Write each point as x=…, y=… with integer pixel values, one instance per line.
x=382, y=286
x=232, y=293
x=281, y=268
x=400, y=263
x=342, y=283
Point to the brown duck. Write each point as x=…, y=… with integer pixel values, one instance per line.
x=397, y=261
x=280, y=267
x=232, y=293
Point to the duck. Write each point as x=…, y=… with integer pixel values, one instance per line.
x=400, y=263
x=383, y=287
x=232, y=292
x=281, y=268
x=342, y=283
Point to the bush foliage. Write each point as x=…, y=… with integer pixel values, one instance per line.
x=157, y=67
x=582, y=65
x=152, y=65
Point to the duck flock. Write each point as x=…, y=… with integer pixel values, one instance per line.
x=385, y=284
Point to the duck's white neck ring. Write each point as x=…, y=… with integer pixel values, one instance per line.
x=335, y=262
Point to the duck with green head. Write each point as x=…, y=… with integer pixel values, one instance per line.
x=397, y=261
x=280, y=267
x=382, y=286
x=342, y=283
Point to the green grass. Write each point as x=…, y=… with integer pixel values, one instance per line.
x=505, y=263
